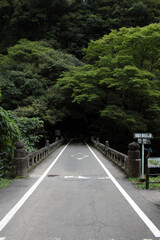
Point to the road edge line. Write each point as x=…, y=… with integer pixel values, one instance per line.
x=137, y=209
x=20, y=203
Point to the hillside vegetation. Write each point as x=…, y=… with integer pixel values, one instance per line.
x=86, y=67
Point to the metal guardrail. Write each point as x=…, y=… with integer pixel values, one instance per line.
x=117, y=157
x=2, y=165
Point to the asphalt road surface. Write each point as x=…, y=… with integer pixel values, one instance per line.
x=76, y=194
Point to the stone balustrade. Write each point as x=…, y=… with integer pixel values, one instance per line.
x=23, y=163
x=119, y=158
x=130, y=163
x=35, y=157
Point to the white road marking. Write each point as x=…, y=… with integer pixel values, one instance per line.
x=68, y=177
x=82, y=157
x=103, y=178
x=2, y=238
x=140, y=213
x=15, y=209
x=84, y=177
x=79, y=156
x=76, y=177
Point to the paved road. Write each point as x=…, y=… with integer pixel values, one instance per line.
x=76, y=199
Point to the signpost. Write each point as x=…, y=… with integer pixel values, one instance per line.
x=143, y=138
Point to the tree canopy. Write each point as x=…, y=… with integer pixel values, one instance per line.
x=121, y=77
x=86, y=67
x=28, y=70
x=71, y=24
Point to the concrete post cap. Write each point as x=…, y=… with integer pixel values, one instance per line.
x=133, y=146
x=19, y=144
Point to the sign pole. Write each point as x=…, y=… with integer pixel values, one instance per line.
x=143, y=138
x=142, y=161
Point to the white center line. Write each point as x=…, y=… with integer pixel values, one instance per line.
x=15, y=209
x=140, y=213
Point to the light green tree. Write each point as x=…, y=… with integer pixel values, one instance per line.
x=122, y=76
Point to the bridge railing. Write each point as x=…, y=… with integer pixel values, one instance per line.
x=2, y=164
x=23, y=163
x=117, y=157
x=35, y=157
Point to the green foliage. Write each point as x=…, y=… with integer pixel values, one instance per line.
x=70, y=24
x=28, y=70
x=142, y=185
x=26, y=111
x=31, y=130
x=5, y=182
x=9, y=132
x=119, y=85
x=122, y=78
x=12, y=129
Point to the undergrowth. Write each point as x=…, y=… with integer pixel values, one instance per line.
x=142, y=185
x=5, y=182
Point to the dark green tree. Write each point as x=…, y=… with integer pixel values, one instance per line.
x=29, y=69
x=68, y=24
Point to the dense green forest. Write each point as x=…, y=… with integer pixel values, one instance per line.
x=86, y=67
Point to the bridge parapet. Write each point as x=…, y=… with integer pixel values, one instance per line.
x=114, y=155
x=23, y=164
x=131, y=166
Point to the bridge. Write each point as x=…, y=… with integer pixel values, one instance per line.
x=76, y=193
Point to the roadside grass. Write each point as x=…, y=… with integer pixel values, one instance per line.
x=5, y=182
x=142, y=185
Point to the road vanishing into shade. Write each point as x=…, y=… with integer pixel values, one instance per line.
x=76, y=194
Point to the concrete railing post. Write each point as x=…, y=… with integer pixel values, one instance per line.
x=20, y=160
x=106, y=146
x=97, y=141
x=47, y=143
x=133, y=164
